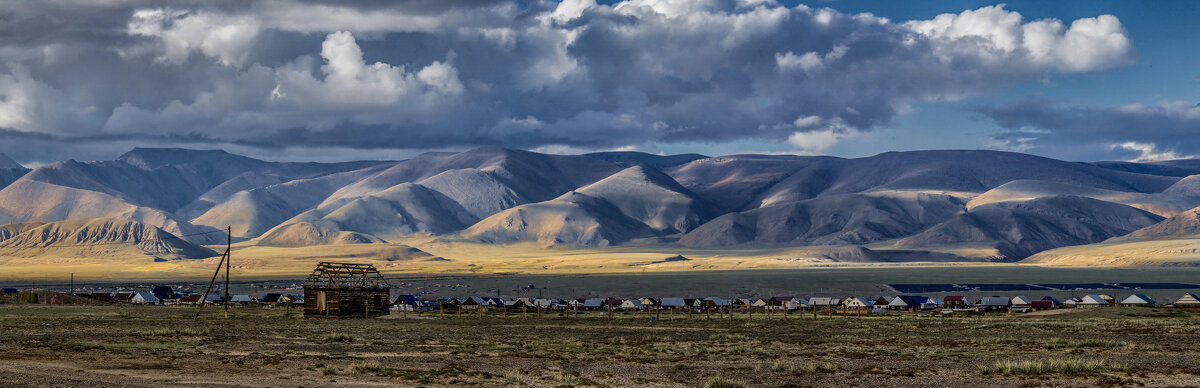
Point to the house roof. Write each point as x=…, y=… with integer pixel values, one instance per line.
x=146, y=296
x=272, y=298
x=1138, y=299
x=1020, y=300
x=954, y=297
x=164, y=292
x=717, y=301
x=912, y=300
x=1093, y=299
x=824, y=301
x=593, y=302
x=241, y=298
x=194, y=298
x=673, y=302
x=994, y=301
x=865, y=301
x=1052, y=299
x=1188, y=299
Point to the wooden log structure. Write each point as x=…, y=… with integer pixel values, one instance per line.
x=346, y=290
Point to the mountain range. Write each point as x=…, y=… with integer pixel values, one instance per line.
x=978, y=205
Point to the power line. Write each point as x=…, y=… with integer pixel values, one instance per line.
x=168, y=236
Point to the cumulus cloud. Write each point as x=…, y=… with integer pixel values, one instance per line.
x=1129, y=132
x=436, y=74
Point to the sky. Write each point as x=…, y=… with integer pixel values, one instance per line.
x=372, y=79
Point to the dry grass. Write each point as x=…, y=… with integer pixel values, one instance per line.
x=1068, y=366
x=67, y=346
x=722, y=382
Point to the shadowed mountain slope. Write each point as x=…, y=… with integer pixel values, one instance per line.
x=1019, y=229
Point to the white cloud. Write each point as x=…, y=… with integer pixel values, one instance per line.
x=577, y=73
x=996, y=35
x=226, y=38
x=1146, y=152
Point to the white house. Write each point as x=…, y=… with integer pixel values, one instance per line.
x=1138, y=300
x=1092, y=300
x=858, y=303
x=143, y=298
x=631, y=304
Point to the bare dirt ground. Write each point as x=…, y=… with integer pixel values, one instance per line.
x=164, y=346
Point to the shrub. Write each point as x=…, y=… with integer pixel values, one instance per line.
x=722, y=382
x=366, y=367
x=339, y=337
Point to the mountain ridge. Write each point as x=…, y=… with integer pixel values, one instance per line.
x=1011, y=203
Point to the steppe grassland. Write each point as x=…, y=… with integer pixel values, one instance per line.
x=99, y=346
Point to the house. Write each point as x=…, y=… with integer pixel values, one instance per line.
x=993, y=303
x=673, y=303
x=593, y=304
x=915, y=303
x=650, y=302
x=739, y=303
x=193, y=299
x=783, y=303
x=631, y=304
x=473, y=303
x=143, y=298
x=1055, y=303
x=243, y=300
x=273, y=299
x=1109, y=299
x=902, y=303
x=760, y=303
x=713, y=303
x=1138, y=300
x=1092, y=300
x=824, y=303
x=214, y=298
x=1188, y=300
x=165, y=294
x=1072, y=302
x=881, y=303
x=8, y=290
x=346, y=290
x=861, y=303
x=1041, y=305
x=957, y=302
x=1020, y=304
x=122, y=297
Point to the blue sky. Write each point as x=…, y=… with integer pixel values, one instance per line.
x=1165, y=36
x=338, y=80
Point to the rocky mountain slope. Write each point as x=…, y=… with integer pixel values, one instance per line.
x=96, y=237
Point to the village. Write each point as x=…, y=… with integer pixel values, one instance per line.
x=709, y=306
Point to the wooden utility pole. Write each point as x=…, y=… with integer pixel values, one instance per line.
x=228, y=258
x=210, y=283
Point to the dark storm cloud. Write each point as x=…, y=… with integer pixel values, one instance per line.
x=1132, y=132
x=435, y=74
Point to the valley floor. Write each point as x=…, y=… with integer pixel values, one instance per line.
x=153, y=346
